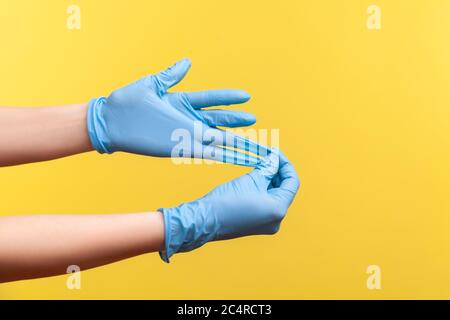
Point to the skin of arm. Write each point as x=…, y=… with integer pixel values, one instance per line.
x=41, y=246
x=44, y=133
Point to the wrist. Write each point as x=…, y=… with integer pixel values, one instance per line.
x=68, y=127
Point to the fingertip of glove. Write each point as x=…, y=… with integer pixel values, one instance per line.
x=186, y=61
x=242, y=96
x=245, y=119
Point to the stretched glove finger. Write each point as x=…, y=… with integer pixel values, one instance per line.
x=228, y=118
x=218, y=137
x=229, y=156
x=212, y=98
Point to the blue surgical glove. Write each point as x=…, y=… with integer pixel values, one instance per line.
x=143, y=118
x=253, y=204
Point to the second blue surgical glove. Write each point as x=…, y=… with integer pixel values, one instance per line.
x=250, y=205
x=144, y=118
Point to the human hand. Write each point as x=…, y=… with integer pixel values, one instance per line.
x=143, y=118
x=253, y=204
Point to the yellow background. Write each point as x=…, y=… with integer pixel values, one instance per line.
x=363, y=114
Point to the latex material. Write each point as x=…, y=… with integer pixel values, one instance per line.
x=253, y=204
x=143, y=118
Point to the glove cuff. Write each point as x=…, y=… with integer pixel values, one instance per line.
x=167, y=252
x=188, y=227
x=97, y=126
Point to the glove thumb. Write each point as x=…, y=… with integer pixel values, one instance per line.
x=172, y=75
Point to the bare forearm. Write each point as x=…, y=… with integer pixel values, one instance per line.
x=41, y=246
x=39, y=134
